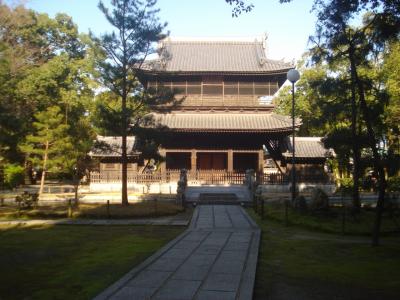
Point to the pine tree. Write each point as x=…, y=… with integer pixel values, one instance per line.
x=50, y=145
x=137, y=29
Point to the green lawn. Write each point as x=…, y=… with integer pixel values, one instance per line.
x=361, y=224
x=72, y=262
x=297, y=263
x=144, y=209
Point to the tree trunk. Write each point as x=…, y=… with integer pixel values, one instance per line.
x=77, y=181
x=124, y=158
x=124, y=172
x=356, y=148
x=378, y=168
x=76, y=188
x=46, y=150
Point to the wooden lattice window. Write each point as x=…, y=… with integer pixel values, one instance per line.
x=246, y=89
x=179, y=87
x=261, y=89
x=193, y=88
x=212, y=89
x=231, y=88
x=273, y=88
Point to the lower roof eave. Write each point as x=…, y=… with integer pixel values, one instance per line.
x=207, y=130
x=136, y=155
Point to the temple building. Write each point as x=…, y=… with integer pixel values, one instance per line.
x=225, y=124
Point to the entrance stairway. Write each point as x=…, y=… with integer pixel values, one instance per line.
x=237, y=194
x=218, y=198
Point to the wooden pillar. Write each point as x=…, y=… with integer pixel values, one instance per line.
x=230, y=160
x=193, y=160
x=260, y=160
x=163, y=165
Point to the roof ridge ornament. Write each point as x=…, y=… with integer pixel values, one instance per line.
x=260, y=51
x=264, y=42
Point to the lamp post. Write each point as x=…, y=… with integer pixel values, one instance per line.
x=293, y=75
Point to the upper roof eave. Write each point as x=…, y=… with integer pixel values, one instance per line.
x=250, y=73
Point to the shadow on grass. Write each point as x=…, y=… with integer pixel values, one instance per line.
x=72, y=262
x=145, y=209
x=299, y=263
x=332, y=221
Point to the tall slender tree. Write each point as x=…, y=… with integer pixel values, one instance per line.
x=136, y=29
x=336, y=39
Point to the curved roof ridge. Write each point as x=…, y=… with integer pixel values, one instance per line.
x=260, y=52
x=224, y=56
x=248, y=39
x=211, y=42
x=287, y=119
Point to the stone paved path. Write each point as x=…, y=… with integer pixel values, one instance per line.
x=215, y=258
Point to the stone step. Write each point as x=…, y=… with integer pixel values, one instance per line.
x=218, y=198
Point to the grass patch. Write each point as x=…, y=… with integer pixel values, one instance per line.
x=143, y=209
x=72, y=262
x=296, y=263
x=360, y=224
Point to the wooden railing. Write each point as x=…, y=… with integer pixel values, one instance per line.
x=271, y=178
x=278, y=178
x=116, y=176
x=215, y=177
x=199, y=176
x=315, y=178
x=203, y=177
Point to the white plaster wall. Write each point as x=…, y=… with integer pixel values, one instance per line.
x=156, y=188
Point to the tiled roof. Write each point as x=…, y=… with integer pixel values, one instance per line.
x=215, y=56
x=111, y=146
x=307, y=147
x=224, y=122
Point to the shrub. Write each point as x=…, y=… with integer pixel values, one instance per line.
x=319, y=200
x=13, y=175
x=300, y=204
x=27, y=200
x=393, y=184
x=346, y=186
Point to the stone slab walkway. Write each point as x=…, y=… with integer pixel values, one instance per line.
x=215, y=258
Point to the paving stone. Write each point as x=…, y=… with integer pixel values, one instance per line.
x=222, y=282
x=179, y=253
x=218, y=240
x=201, y=259
x=186, y=245
x=191, y=272
x=228, y=266
x=234, y=246
x=166, y=264
x=137, y=293
x=240, y=237
x=195, y=236
x=178, y=290
x=215, y=295
x=213, y=260
x=149, y=278
x=208, y=249
x=234, y=255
